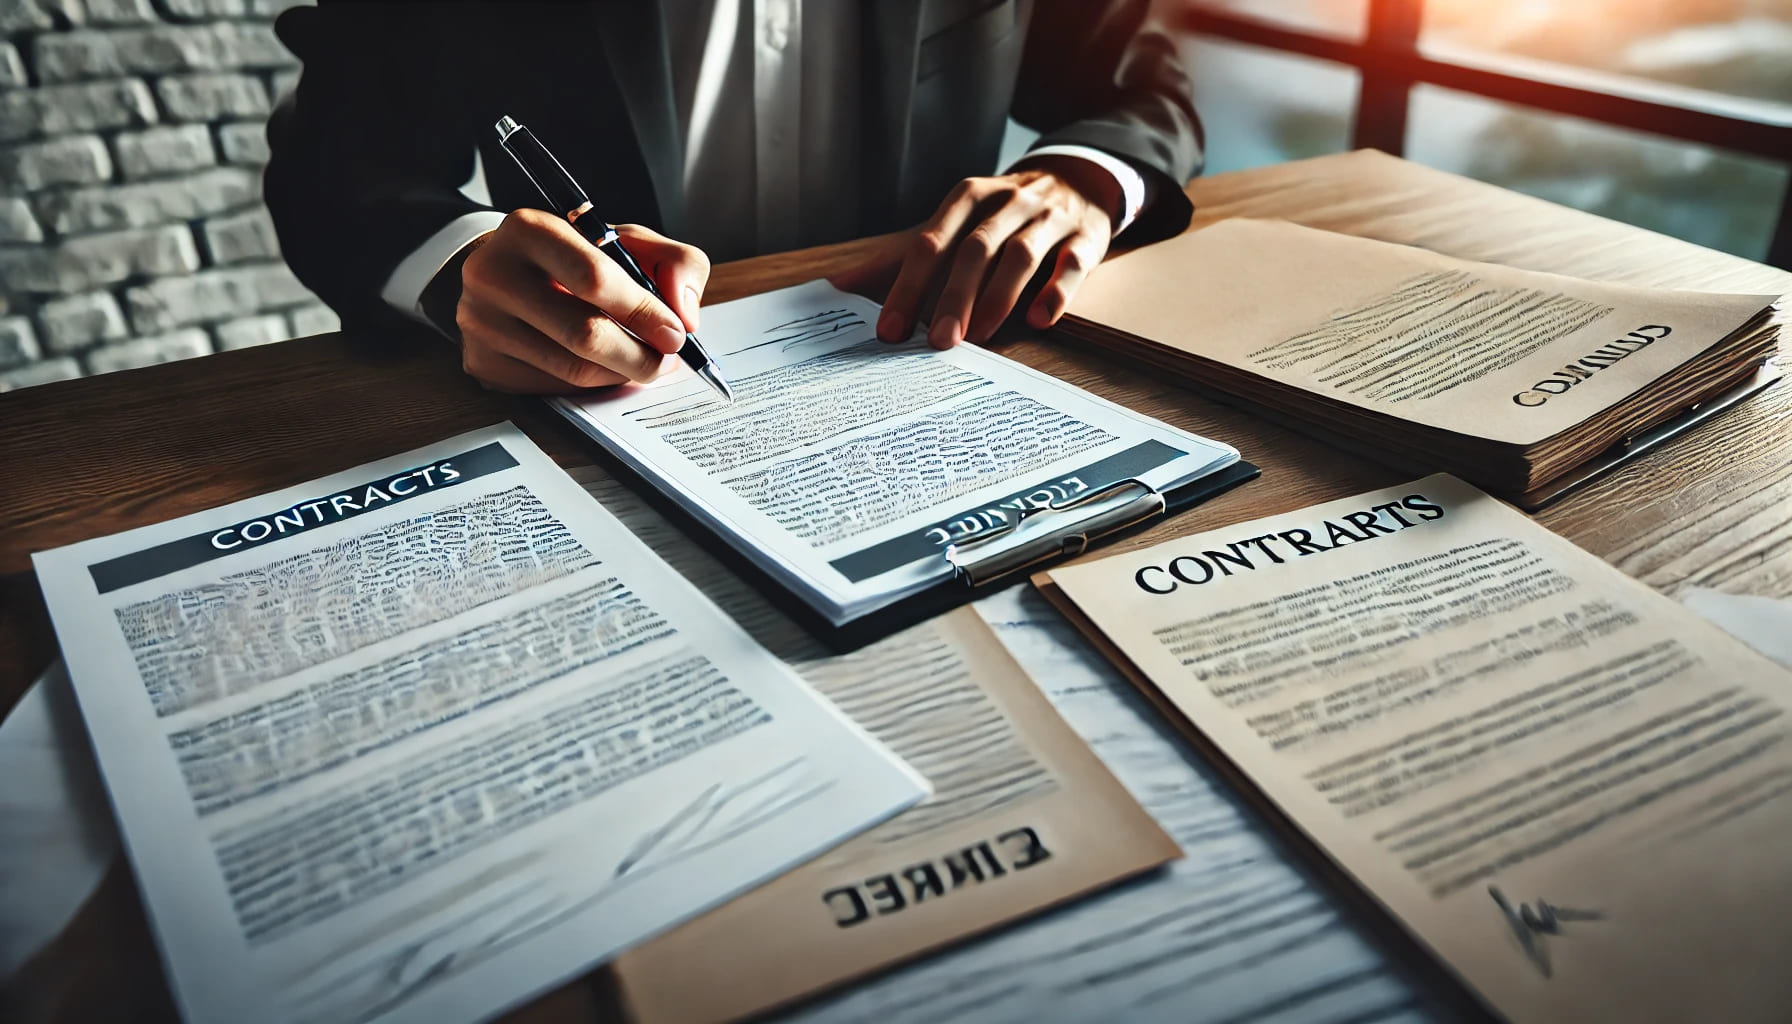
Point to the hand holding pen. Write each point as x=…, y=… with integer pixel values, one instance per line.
x=544, y=310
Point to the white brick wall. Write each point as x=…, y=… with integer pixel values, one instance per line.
x=132, y=137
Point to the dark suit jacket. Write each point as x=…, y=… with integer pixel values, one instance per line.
x=369, y=155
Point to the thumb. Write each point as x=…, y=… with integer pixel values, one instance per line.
x=873, y=273
x=679, y=271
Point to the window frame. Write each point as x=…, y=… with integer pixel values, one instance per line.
x=1390, y=62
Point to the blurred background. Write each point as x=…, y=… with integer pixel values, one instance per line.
x=131, y=140
x=1729, y=58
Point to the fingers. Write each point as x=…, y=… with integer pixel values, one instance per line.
x=494, y=339
x=1079, y=255
x=1020, y=258
x=971, y=264
x=679, y=271
x=873, y=276
x=927, y=252
x=537, y=298
x=551, y=244
x=499, y=372
x=983, y=247
x=529, y=315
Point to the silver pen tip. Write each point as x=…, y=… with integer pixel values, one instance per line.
x=505, y=126
x=714, y=379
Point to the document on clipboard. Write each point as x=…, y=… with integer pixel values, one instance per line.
x=858, y=475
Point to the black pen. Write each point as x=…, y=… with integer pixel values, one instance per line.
x=565, y=197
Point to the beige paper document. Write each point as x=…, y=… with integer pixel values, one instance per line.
x=1023, y=816
x=1508, y=377
x=1574, y=792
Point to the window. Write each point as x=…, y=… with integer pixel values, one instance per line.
x=1672, y=114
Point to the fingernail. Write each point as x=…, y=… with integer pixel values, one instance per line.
x=889, y=326
x=692, y=304
x=666, y=338
x=945, y=331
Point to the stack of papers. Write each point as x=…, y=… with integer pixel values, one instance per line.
x=1520, y=381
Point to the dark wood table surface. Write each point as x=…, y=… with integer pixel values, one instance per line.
x=83, y=458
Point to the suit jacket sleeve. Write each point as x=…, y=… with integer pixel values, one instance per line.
x=368, y=156
x=1093, y=73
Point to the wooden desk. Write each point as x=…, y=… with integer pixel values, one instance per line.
x=89, y=457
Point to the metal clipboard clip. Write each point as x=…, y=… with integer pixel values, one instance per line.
x=976, y=567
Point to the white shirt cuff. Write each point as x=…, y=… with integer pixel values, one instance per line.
x=1132, y=183
x=405, y=287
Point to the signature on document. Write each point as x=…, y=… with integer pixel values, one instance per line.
x=1532, y=924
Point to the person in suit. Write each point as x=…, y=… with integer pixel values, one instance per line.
x=719, y=129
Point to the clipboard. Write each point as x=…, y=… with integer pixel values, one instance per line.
x=1052, y=534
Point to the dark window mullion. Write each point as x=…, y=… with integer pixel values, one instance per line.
x=1779, y=250
x=1390, y=45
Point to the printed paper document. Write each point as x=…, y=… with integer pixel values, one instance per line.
x=846, y=466
x=1023, y=815
x=428, y=736
x=1574, y=791
x=1515, y=379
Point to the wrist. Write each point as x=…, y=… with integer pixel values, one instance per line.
x=1084, y=161
x=440, y=299
x=1089, y=180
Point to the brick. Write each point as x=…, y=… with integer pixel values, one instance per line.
x=61, y=109
x=213, y=295
x=46, y=372
x=161, y=348
x=250, y=331
x=77, y=321
x=16, y=222
x=81, y=264
x=27, y=15
x=12, y=69
x=196, y=10
x=212, y=97
x=242, y=237
x=120, y=12
x=245, y=142
x=284, y=82
x=146, y=203
x=71, y=160
x=167, y=150
x=271, y=8
x=18, y=342
x=105, y=53
x=318, y=319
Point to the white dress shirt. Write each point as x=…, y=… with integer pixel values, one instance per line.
x=770, y=129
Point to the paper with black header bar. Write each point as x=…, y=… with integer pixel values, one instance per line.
x=846, y=466
x=423, y=738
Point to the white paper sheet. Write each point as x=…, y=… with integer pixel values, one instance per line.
x=56, y=835
x=431, y=751
x=846, y=466
x=1764, y=623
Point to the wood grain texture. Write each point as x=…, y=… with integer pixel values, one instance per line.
x=89, y=457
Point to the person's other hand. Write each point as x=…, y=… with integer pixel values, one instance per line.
x=542, y=311
x=988, y=240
